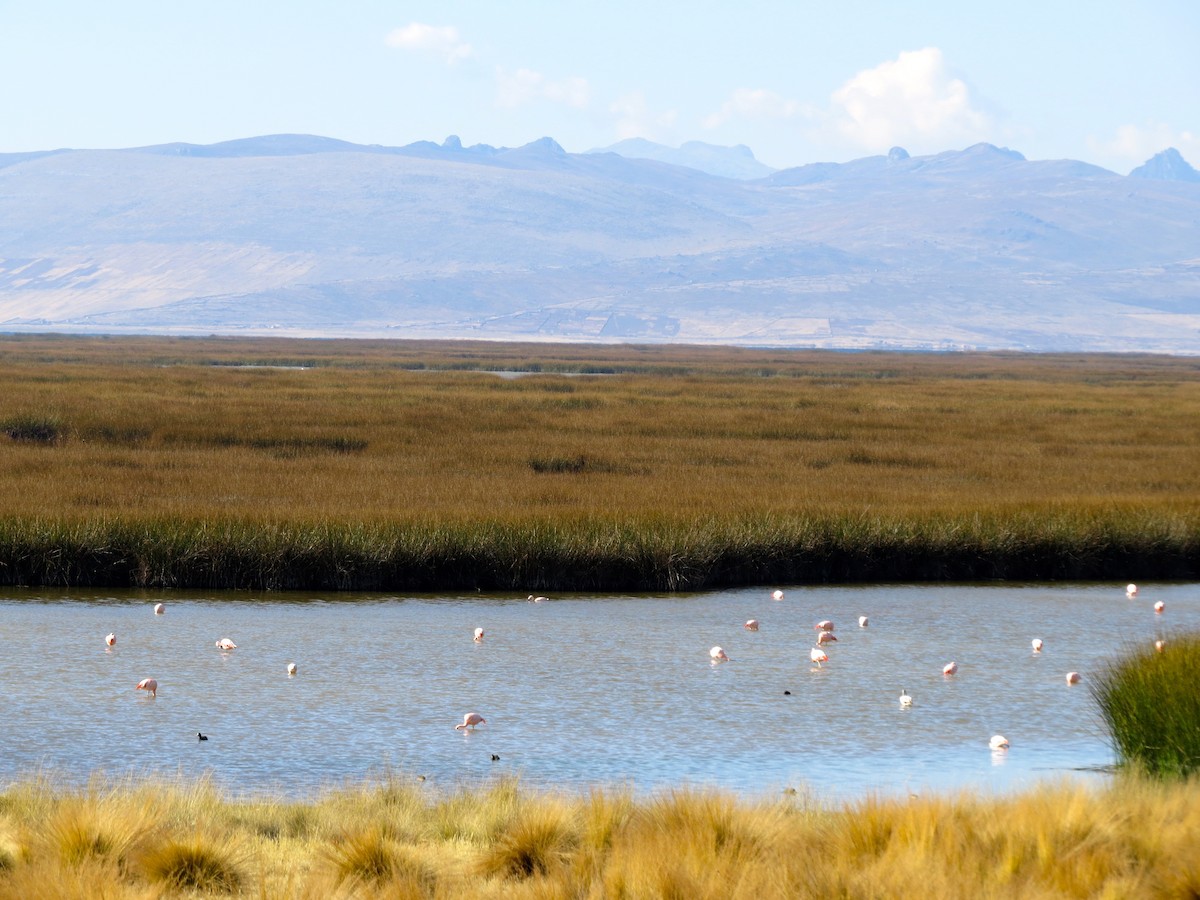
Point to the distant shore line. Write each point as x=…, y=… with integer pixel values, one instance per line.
x=591, y=556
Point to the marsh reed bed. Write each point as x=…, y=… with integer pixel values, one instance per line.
x=404, y=838
x=409, y=465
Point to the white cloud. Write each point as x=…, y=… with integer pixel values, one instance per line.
x=746, y=103
x=910, y=100
x=1132, y=145
x=443, y=40
x=634, y=118
x=524, y=86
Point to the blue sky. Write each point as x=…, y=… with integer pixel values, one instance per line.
x=1107, y=82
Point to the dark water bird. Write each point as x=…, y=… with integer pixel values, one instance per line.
x=495, y=757
x=787, y=693
x=201, y=737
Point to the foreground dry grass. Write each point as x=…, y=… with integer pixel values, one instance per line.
x=401, y=839
x=722, y=463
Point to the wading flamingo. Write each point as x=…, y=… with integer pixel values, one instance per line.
x=950, y=668
x=479, y=635
x=777, y=595
x=1131, y=591
x=905, y=700
x=110, y=638
x=718, y=655
x=825, y=637
x=291, y=670
x=824, y=625
x=751, y=625
x=160, y=608
x=1159, y=606
x=817, y=655
x=226, y=644
x=998, y=742
x=1037, y=645
x=1072, y=678
x=148, y=684
x=1159, y=645
x=470, y=720
x=862, y=622
x=533, y=599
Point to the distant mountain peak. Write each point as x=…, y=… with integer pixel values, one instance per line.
x=1169, y=165
x=985, y=149
x=546, y=145
x=727, y=162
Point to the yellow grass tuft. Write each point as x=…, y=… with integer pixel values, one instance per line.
x=1133, y=839
x=538, y=841
x=193, y=863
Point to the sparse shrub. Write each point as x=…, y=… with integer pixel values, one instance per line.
x=1151, y=704
x=558, y=464
x=34, y=429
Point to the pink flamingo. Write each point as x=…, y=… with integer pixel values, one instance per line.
x=751, y=625
x=1159, y=606
x=110, y=638
x=1037, y=645
x=159, y=608
x=718, y=655
x=148, y=684
x=1159, y=645
x=470, y=720
x=291, y=669
x=1072, y=678
x=226, y=644
x=950, y=668
x=862, y=621
x=479, y=635
x=1131, y=591
x=777, y=595
x=817, y=655
x=998, y=742
x=824, y=625
x=825, y=637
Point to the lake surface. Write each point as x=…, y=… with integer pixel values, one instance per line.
x=577, y=691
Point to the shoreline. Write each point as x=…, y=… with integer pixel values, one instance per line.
x=596, y=556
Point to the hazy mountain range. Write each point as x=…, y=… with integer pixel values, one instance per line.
x=293, y=234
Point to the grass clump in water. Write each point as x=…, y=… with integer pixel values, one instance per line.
x=1151, y=703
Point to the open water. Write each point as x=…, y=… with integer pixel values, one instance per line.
x=577, y=691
